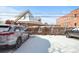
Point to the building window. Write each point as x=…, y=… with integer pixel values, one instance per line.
x=75, y=24
x=75, y=15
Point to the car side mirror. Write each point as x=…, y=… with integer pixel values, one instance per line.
x=26, y=30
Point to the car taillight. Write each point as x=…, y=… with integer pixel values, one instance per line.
x=10, y=36
x=6, y=36
x=3, y=34
x=3, y=38
x=11, y=33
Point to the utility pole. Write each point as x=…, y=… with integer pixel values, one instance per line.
x=65, y=24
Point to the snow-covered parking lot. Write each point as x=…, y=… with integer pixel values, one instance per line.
x=49, y=44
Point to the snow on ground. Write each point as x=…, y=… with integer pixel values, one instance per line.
x=34, y=44
x=49, y=44
x=61, y=44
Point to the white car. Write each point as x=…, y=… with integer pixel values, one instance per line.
x=12, y=35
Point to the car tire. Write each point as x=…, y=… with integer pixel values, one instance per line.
x=18, y=43
x=67, y=35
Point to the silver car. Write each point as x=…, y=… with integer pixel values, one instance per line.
x=12, y=35
x=72, y=33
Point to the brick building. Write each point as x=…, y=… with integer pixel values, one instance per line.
x=69, y=20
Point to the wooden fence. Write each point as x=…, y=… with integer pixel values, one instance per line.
x=48, y=30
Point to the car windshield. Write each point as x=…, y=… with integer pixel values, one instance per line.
x=4, y=28
x=76, y=29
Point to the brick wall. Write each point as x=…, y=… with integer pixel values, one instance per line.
x=69, y=20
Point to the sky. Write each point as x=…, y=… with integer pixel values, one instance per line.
x=39, y=2
x=48, y=14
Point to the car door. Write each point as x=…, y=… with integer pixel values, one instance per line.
x=17, y=32
x=74, y=32
x=77, y=32
x=26, y=32
x=24, y=35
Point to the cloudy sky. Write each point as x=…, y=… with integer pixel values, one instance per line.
x=48, y=14
x=39, y=2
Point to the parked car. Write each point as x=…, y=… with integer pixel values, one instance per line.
x=72, y=33
x=12, y=35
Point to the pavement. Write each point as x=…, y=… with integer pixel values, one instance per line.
x=47, y=44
